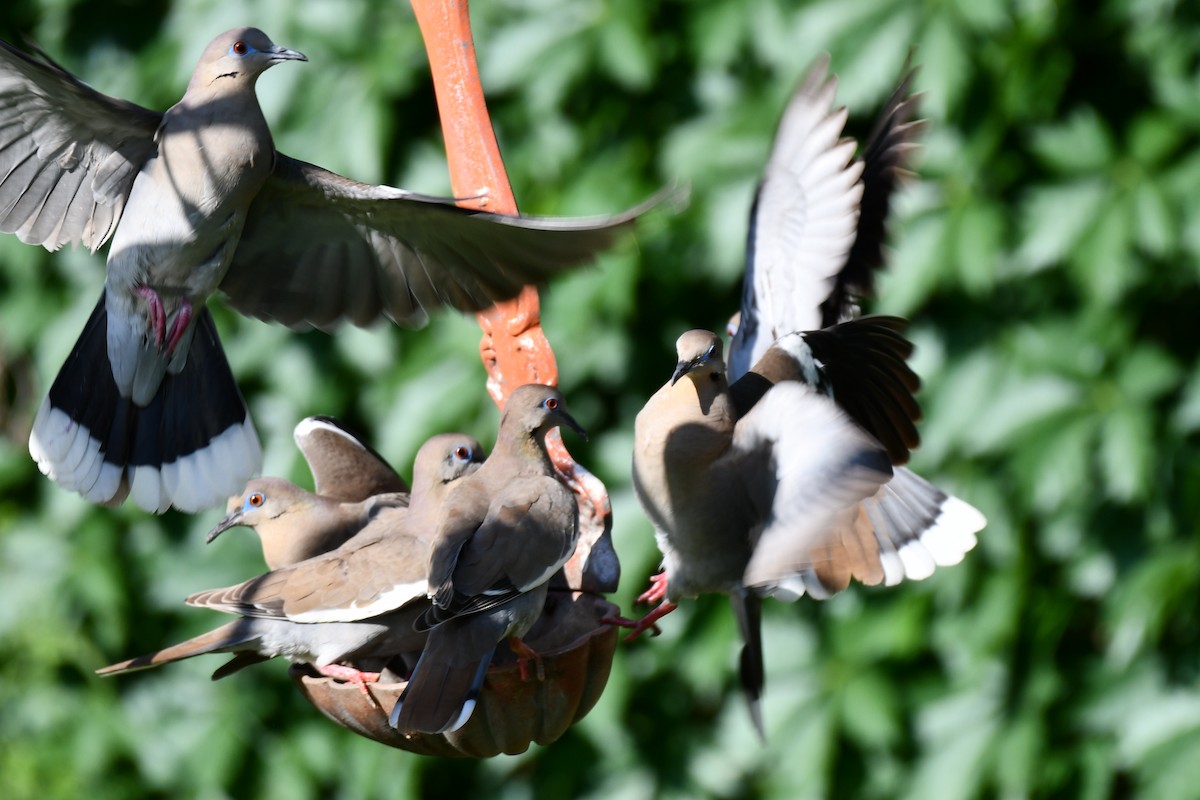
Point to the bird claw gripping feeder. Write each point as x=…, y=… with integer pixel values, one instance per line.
x=576, y=649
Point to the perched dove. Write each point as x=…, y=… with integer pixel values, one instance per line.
x=359, y=601
x=783, y=483
x=351, y=481
x=502, y=533
x=195, y=200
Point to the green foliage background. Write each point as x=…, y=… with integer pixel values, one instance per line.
x=1048, y=256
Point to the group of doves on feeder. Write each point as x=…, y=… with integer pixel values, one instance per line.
x=779, y=475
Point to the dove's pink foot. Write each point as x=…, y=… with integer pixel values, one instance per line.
x=657, y=591
x=525, y=654
x=157, y=312
x=348, y=674
x=639, y=626
x=158, y=315
x=179, y=326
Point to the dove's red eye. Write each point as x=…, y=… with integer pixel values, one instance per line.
x=462, y=453
x=240, y=47
x=256, y=499
x=552, y=403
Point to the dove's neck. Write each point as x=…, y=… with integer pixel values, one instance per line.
x=521, y=455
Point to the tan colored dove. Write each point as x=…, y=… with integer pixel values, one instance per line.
x=352, y=483
x=357, y=602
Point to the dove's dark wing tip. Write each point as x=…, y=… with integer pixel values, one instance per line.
x=885, y=158
x=863, y=364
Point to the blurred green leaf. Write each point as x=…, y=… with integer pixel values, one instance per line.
x=1080, y=144
x=1125, y=454
x=1056, y=217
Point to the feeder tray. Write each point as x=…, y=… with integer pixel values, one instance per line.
x=576, y=649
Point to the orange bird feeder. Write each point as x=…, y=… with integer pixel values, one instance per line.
x=576, y=648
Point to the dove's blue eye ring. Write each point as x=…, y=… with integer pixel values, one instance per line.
x=240, y=48
x=463, y=453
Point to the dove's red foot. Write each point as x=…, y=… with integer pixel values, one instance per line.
x=179, y=326
x=349, y=674
x=639, y=626
x=158, y=314
x=657, y=591
x=525, y=654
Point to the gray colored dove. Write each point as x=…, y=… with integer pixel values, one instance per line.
x=195, y=200
x=502, y=533
x=357, y=602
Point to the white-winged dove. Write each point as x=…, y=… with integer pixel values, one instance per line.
x=359, y=601
x=294, y=525
x=789, y=496
x=782, y=483
x=502, y=533
x=197, y=199
x=817, y=226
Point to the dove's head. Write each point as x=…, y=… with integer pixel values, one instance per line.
x=700, y=353
x=537, y=409
x=445, y=458
x=262, y=505
x=237, y=57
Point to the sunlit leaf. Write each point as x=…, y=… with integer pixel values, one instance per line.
x=957, y=732
x=1054, y=218
x=1103, y=260
x=1187, y=415
x=517, y=51
x=1080, y=144
x=870, y=710
x=1055, y=460
x=1021, y=401
x=1125, y=454
x=1146, y=373
x=625, y=46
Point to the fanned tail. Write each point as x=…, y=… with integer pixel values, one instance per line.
x=192, y=446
